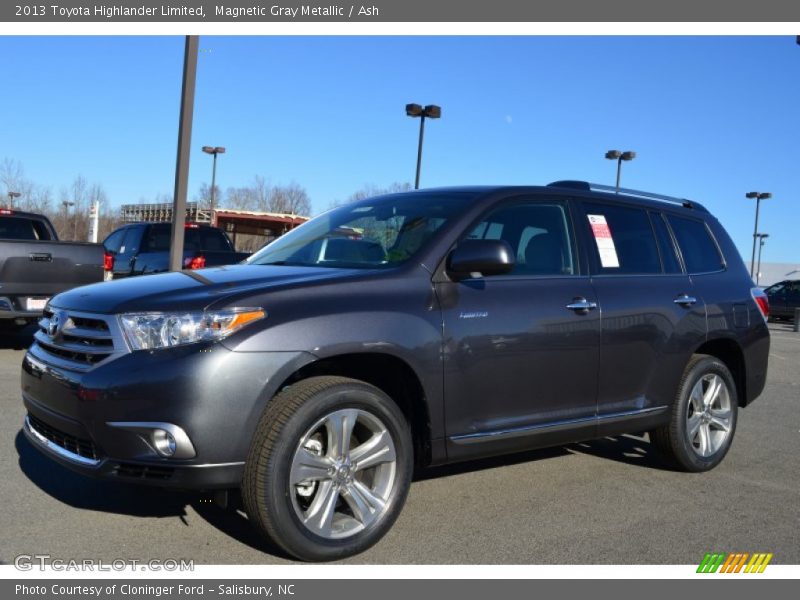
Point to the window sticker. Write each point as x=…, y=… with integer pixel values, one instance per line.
x=605, y=243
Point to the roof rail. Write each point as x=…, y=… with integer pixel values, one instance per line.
x=586, y=186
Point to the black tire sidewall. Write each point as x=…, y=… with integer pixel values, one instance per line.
x=292, y=535
x=684, y=451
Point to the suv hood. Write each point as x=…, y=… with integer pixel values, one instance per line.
x=191, y=290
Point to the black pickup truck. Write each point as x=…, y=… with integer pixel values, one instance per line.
x=143, y=249
x=34, y=266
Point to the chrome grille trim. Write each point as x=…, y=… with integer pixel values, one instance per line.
x=56, y=448
x=82, y=340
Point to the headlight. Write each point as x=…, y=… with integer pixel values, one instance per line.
x=147, y=331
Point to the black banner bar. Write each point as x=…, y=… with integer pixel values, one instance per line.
x=463, y=11
x=437, y=589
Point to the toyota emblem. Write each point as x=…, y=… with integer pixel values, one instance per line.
x=55, y=324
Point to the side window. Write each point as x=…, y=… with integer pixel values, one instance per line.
x=699, y=250
x=666, y=246
x=623, y=240
x=156, y=238
x=539, y=233
x=113, y=242
x=130, y=243
x=214, y=240
x=42, y=233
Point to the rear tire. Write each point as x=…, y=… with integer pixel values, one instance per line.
x=703, y=417
x=329, y=468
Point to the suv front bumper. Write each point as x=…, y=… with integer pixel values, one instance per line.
x=87, y=421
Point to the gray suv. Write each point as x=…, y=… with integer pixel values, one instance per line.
x=405, y=331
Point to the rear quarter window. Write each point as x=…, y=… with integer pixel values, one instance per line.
x=698, y=248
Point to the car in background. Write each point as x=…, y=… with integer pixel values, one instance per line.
x=35, y=265
x=143, y=249
x=784, y=299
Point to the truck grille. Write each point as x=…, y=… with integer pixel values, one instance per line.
x=77, y=341
x=72, y=444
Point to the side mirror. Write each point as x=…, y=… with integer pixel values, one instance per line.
x=473, y=258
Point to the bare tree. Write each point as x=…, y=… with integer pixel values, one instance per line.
x=289, y=199
x=263, y=197
x=370, y=189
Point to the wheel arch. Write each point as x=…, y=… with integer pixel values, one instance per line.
x=729, y=352
x=389, y=373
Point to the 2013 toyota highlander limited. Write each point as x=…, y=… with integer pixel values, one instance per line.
x=407, y=330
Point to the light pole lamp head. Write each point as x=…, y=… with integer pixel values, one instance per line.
x=413, y=110
x=613, y=154
x=214, y=150
x=13, y=195
x=764, y=196
x=432, y=111
x=628, y=155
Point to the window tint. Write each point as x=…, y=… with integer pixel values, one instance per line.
x=156, y=239
x=632, y=247
x=194, y=239
x=17, y=228
x=700, y=252
x=130, y=241
x=666, y=246
x=539, y=234
x=114, y=241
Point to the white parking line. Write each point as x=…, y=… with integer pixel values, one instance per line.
x=777, y=356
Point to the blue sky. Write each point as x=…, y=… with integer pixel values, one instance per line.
x=710, y=117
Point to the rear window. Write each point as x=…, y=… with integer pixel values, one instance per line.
x=624, y=240
x=700, y=251
x=206, y=239
x=21, y=228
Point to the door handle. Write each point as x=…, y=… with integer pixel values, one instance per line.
x=581, y=305
x=685, y=300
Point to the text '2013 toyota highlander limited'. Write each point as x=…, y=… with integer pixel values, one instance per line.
x=407, y=330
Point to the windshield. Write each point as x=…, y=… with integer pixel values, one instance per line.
x=374, y=233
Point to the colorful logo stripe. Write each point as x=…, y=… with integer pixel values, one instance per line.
x=734, y=562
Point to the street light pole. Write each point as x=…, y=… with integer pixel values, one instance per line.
x=11, y=196
x=759, y=196
x=762, y=237
x=67, y=204
x=415, y=110
x=619, y=157
x=213, y=150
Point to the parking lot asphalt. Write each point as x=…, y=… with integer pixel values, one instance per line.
x=609, y=501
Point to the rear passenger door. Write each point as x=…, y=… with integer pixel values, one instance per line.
x=726, y=301
x=650, y=313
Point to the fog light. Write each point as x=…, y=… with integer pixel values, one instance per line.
x=164, y=442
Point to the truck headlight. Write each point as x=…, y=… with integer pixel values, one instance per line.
x=148, y=331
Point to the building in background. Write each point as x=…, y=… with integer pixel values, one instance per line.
x=775, y=272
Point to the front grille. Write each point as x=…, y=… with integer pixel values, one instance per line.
x=75, y=445
x=143, y=471
x=77, y=340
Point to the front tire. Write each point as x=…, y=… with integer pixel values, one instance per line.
x=329, y=468
x=703, y=418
